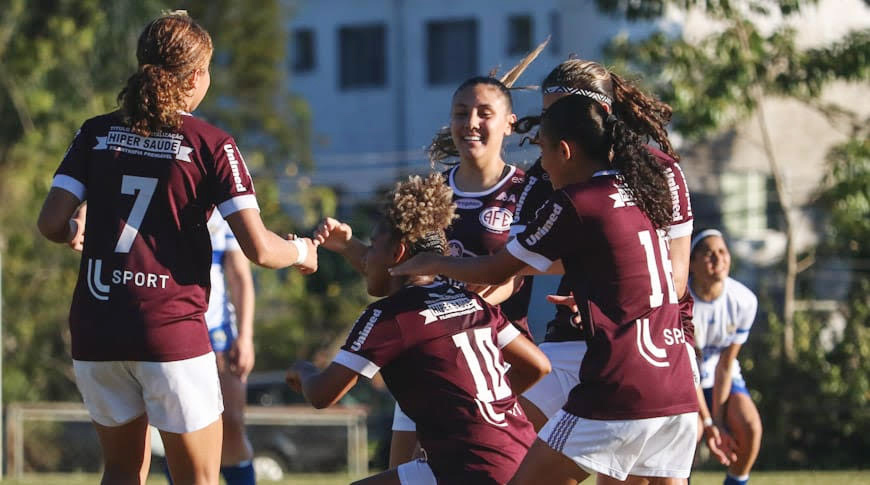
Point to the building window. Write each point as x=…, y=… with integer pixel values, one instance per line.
x=303, y=50
x=555, y=45
x=744, y=203
x=520, y=34
x=362, y=56
x=451, y=51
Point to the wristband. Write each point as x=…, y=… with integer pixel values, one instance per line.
x=301, y=249
x=708, y=422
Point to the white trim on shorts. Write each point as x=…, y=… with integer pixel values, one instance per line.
x=416, y=472
x=401, y=421
x=652, y=447
x=551, y=392
x=179, y=396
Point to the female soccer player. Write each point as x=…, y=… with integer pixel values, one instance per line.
x=151, y=174
x=439, y=348
x=634, y=411
x=724, y=313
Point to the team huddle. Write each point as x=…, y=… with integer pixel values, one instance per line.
x=614, y=389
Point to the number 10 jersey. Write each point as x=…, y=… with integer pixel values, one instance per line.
x=144, y=275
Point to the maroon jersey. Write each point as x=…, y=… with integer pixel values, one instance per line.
x=483, y=226
x=437, y=348
x=617, y=264
x=144, y=275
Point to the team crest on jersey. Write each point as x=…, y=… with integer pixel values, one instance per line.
x=158, y=145
x=496, y=219
x=622, y=197
x=468, y=204
x=731, y=328
x=505, y=197
x=457, y=250
x=448, y=305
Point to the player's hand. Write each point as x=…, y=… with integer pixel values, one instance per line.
x=78, y=240
x=423, y=264
x=333, y=235
x=308, y=266
x=569, y=302
x=721, y=444
x=241, y=357
x=297, y=373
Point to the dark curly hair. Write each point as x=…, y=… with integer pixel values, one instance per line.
x=169, y=50
x=585, y=122
x=642, y=113
x=418, y=211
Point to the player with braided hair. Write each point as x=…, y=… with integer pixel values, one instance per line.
x=440, y=349
x=634, y=411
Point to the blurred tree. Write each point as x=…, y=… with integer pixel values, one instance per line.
x=724, y=77
x=64, y=61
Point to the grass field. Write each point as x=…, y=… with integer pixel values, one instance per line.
x=698, y=478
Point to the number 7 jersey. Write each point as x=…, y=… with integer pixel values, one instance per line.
x=144, y=275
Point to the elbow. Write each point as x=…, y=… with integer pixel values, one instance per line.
x=321, y=402
x=542, y=368
x=51, y=230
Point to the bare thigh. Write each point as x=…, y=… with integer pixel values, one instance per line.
x=389, y=477
x=126, y=452
x=636, y=480
x=543, y=464
x=194, y=458
x=236, y=447
x=535, y=416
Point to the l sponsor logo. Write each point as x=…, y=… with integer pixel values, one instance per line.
x=468, y=204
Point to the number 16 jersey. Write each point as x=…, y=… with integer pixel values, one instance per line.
x=144, y=275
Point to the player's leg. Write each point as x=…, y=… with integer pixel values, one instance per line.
x=236, y=455
x=637, y=480
x=543, y=464
x=416, y=472
x=389, y=477
x=744, y=423
x=194, y=457
x=184, y=402
x=126, y=452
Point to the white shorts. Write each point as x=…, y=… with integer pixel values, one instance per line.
x=652, y=447
x=551, y=392
x=179, y=396
x=416, y=472
x=401, y=421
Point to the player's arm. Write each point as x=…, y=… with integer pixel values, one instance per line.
x=719, y=442
x=722, y=382
x=267, y=249
x=321, y=388
x=528, y=363
x=240, y=283
x=680, y=248
x=490, y=270
x=55, y=220
x=337, y=236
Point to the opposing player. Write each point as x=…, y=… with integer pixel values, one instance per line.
x=724, y=313
x=634, y=412
x=439, y=348
x=152, y=174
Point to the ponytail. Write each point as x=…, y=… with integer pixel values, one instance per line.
x=151, y=100
x=645, y=115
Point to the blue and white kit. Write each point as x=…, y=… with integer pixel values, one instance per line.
x=721, y=323
x=221, y=315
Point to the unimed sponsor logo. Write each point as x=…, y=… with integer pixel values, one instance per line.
x=548, y=224
x=496, y=218
x=364, y=333
x=234, y=167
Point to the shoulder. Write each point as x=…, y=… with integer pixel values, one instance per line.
x=740, y=293
x=194, y=127
x=660, y=156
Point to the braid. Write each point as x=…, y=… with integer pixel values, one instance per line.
x=645, y=115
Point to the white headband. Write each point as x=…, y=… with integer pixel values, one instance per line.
x=583, y=92
x=702, y=235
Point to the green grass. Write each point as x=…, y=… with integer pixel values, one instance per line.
x=698, y=478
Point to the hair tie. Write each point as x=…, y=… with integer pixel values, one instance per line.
x=611, y=119
x=430, y=242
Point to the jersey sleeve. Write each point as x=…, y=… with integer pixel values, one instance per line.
x=234, y=188
x=72, y=174
x=748, y=308
x=374, y=341
x=546, y=238
x=683, y=221
x=535, y=192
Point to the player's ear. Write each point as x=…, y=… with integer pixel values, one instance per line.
x=400, y=252
x=566, y=149
x=512, y=119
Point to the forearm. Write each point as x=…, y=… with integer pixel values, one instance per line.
x=496, y=294
x=484, y=270
x=354, y=253
x=721, y=390
x=241, y=287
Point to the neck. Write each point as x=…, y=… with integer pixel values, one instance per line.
x=399, y=282
x=478, y=175
x=581, y=171
x=707, y=290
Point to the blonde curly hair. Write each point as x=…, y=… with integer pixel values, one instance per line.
x=419, y=210
x=169, y=50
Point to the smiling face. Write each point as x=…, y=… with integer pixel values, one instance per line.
x=480, y=118
x=711, y=260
